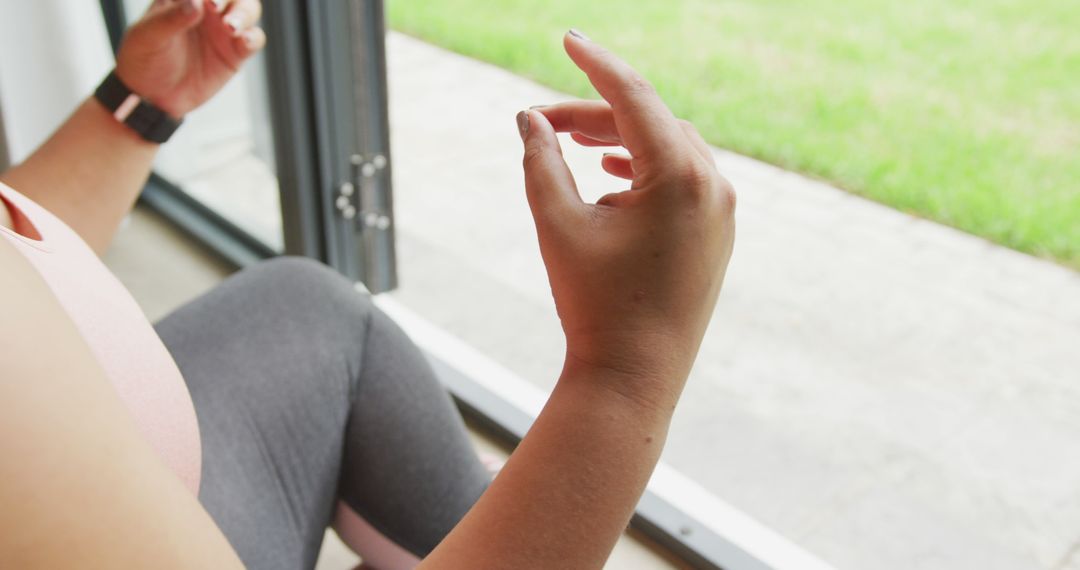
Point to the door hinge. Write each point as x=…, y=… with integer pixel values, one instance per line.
x=363, y=206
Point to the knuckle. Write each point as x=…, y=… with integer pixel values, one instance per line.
x=726, y=192
x=533, y=155
x=702, y=182
x=696, y=177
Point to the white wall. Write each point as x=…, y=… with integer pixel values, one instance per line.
x=53, y=53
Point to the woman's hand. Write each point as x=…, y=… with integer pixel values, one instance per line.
x=182, y=52
x=635, y=276
x=177, y=56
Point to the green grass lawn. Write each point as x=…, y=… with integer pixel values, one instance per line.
x=963, y=111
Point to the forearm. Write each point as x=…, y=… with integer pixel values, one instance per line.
x=635, y=278
x=570, y=488
x=88, y=173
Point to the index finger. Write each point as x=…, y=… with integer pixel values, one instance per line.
x=646, y=125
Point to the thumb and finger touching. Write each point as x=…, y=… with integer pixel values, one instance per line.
x=549, y=185
x=586, y=120
x=631, y=115
x=646, y=127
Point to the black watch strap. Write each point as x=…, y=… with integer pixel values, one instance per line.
x=150, y=122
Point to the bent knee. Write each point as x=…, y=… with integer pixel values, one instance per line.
x=298, y=272
x=302, y=289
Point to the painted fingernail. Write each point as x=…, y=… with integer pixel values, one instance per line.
x=577, y=34
x=523, y=124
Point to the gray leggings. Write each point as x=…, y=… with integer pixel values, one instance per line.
x=311, y=401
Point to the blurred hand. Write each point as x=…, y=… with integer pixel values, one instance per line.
x=635, y=276
x=182, y=52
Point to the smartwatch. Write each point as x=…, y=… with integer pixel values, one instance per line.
x=150, y=122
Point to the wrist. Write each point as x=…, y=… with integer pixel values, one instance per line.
x=132, y=109
x=138, y=86
x=651, y=386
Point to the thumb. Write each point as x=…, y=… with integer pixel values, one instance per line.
x=549, y=185
x=169, y=17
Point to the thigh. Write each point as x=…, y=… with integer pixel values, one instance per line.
x=307, y=394
x=409, y=469
x=270, y=376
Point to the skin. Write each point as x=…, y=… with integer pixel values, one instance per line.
x=635, y=278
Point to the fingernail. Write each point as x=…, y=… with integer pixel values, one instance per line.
x=577, y=34
x=251, y=39
x=535, y=107
x=523, y=124
x=218, y=5
x=234, y=20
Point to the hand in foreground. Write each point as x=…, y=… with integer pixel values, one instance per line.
x=181, y=52
x=635, y=276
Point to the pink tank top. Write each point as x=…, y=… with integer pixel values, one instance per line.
x=118, y=333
